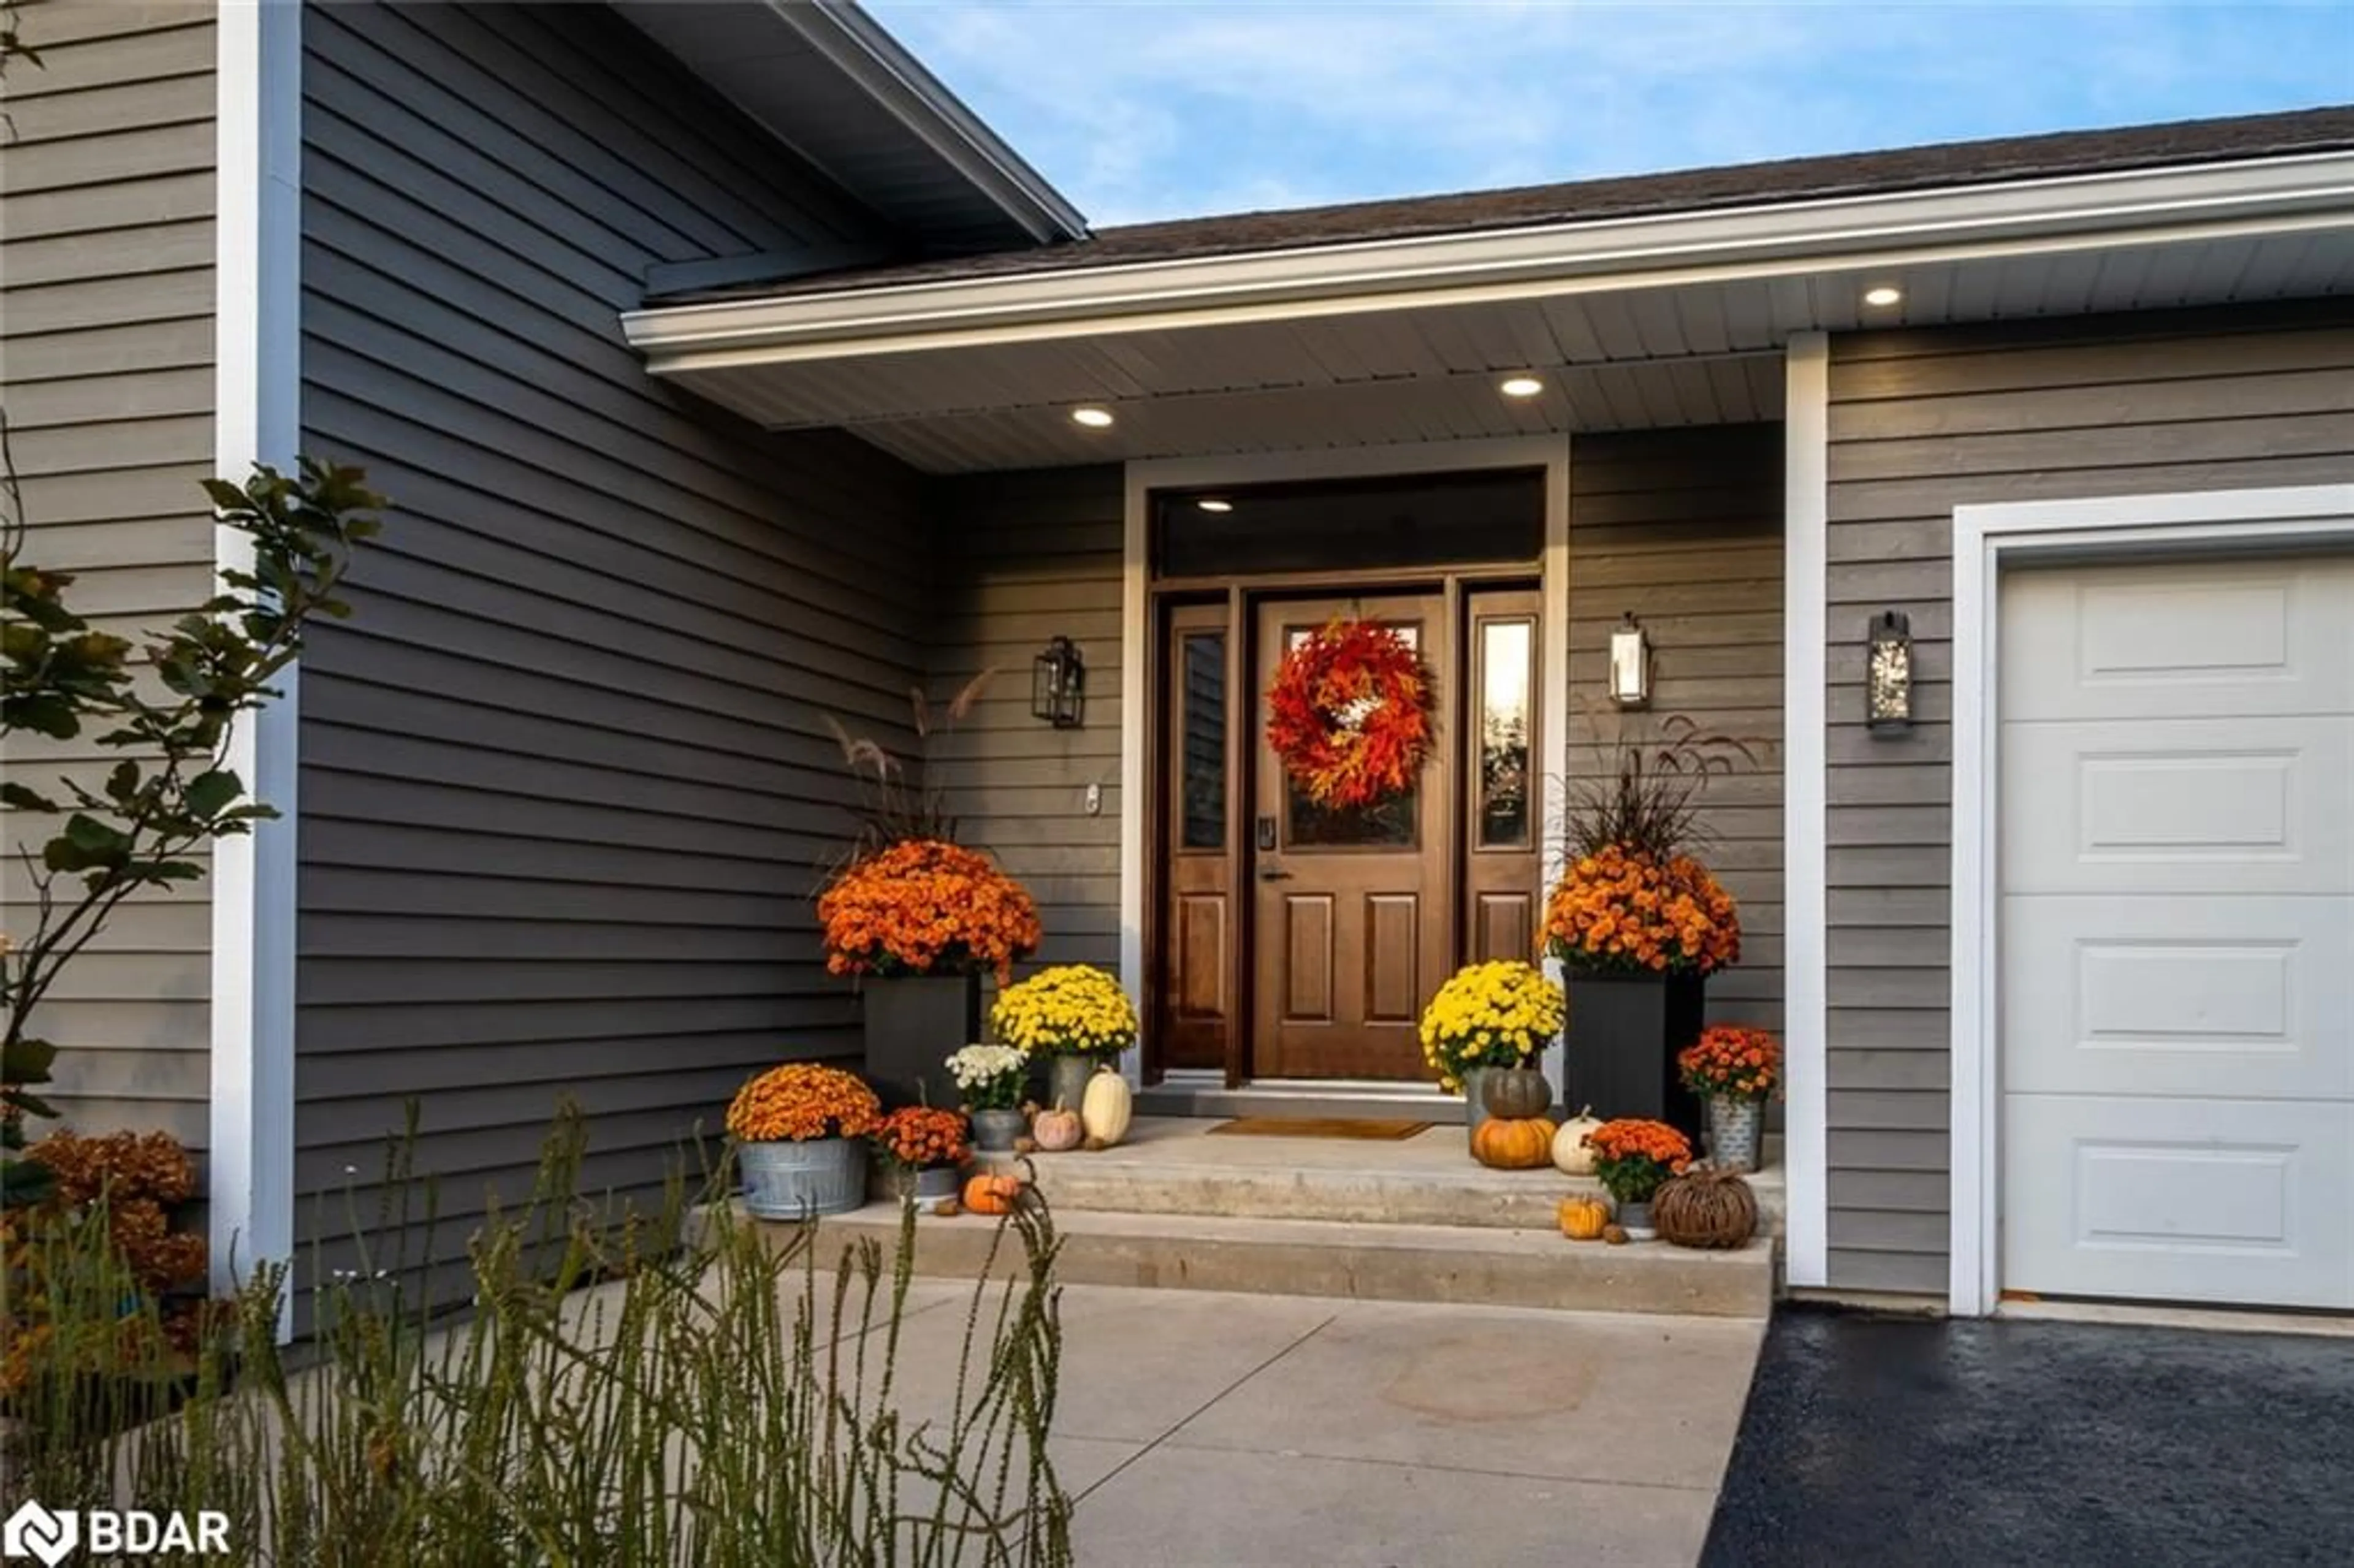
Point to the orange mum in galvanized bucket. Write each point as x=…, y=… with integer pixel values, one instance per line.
x=801, y=1100
x=926, y=907
x=1348, y=713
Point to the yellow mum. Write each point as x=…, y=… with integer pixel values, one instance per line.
x=1490, y=1015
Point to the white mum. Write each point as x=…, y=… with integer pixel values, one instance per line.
x=977, y=1064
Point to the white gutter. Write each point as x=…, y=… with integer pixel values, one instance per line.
x=2314, y=192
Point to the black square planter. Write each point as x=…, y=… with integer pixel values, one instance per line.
x=1620, y=1052
x=914, y=1024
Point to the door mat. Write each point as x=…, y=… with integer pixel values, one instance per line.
x=1319, y=1127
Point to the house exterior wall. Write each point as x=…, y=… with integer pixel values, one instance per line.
x=1922, y=422
x=106, y=370
x=566, y=780
x=1024, y=556
x=1683, y=528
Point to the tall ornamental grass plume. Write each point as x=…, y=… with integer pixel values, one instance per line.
x=582, y=1382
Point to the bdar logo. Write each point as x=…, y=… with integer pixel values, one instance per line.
x=34, y=1531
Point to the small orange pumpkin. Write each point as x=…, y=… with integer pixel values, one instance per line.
x=993, y=1194
x=1582, y=1219
x=1514, y=1143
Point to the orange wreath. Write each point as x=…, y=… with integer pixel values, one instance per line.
x=1348, y=713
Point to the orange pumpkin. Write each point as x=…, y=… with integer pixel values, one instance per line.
x=1514, y=1143
x=1582, y=1219
x=992, y=1194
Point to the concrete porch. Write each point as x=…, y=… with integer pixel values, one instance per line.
x=1180, y=1207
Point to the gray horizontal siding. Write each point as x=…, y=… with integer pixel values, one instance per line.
x=567, y=784
x=1029, y=555
x=106, y=368
x=1683, y=528
x=1922, y=422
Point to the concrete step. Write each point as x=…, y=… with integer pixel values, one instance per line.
x=1167, y=1166
x=1390, y=1261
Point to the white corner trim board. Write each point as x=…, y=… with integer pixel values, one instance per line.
x=1987, y=538
x=256, y=385
x=1805, y=510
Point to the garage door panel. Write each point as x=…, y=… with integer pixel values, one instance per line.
x=2180, y=640
x=2201, y=996
x=2176, y=931
x=2186, y=806
x=2178, y=1200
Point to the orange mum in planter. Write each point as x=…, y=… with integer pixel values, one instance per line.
x=1731, y=1061
x=927, y=906
x=918, y=1136
x=800, y=1101
x=1622, y=911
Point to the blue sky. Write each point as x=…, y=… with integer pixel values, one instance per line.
x=1145, y=111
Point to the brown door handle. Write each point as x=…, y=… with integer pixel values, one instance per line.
x=1274, y=873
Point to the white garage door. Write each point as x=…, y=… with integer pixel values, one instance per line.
x=2177, y=936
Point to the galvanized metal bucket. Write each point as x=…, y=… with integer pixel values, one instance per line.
x=1734, y=1130
x=788, y=1181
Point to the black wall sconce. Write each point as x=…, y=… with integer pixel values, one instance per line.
x=1888, y=673
x=1058, y=685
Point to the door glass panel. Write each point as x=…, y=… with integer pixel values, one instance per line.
x=1391, y=823
x=1203, y=669
x=1506, y=657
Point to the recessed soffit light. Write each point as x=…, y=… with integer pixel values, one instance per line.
x=1520, y=386
x=1093, y=417
x=1884, y=296
x=1212, y=503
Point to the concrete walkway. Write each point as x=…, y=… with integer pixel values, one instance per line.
x=1209, y=1430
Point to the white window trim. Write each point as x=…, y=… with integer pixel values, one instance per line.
x=256, y=413
x=1806, y=577
x=1986, y=539
x=1550, y=454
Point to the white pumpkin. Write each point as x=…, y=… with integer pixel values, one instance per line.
x=1107, y=1107
x=1569, y=1150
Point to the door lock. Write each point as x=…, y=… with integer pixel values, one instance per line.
x=1267, y=835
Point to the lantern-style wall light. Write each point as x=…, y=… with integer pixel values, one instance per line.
x=1058, y=685
x=1630, y=665
x=1888, y=673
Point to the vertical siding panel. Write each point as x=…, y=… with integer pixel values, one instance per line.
x=567, y=784
x=1923, y=422
x=106, y=353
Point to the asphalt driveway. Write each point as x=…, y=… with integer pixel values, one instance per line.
x=1892, y=1442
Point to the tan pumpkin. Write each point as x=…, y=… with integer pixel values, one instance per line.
x=1570, y=1154
x=1058, y=1129
x=1108, y=1107
x=1583, y=1219
x=1513, y=1143
x=993, y=1194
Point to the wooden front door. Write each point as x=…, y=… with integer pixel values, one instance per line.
x=1352, y=910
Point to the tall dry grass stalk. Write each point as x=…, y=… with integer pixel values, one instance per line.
x=675, y=1387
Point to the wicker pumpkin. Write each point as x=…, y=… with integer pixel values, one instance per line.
x=1583, y=1219
x=1513, y=1143
x=1058, y=1129
x=1515, y=1093
x=992, y=1194
x=1705, y=1208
